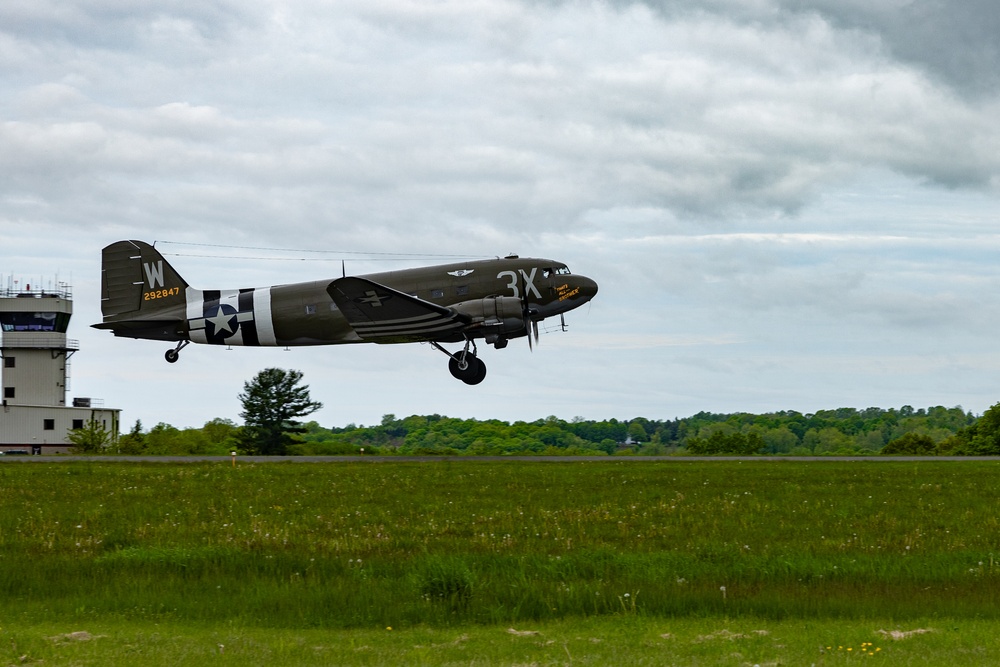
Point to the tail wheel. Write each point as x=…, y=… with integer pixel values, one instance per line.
x=173, y=355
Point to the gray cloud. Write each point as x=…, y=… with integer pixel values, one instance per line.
x=700, y=114
x=124, y=25
x=954, y=42
x=741, y=177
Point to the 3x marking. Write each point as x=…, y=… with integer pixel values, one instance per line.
x=529, y=282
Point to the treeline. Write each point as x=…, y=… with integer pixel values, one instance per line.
x=845, y=431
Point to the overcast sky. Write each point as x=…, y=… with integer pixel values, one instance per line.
x=788, y=205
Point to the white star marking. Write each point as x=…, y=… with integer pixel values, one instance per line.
x=221, y=320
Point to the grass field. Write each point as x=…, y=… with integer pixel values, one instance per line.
x=763, y=562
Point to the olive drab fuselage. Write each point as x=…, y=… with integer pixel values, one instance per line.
x=493, y=300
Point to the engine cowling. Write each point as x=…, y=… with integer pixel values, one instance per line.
x=500, y=316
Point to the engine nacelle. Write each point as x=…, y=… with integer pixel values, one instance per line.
x=500, y=316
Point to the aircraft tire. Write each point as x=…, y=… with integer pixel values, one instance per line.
x=480, y=373
x=457, y=371
x=172, y=356
x=474, y=369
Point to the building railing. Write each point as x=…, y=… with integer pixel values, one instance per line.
x=37, y=340
x=60, y=291
x=82, y=402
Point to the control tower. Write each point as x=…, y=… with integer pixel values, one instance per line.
x=35, y=373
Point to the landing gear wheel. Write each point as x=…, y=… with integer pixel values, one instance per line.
x=480, y=373
x=472, y=371
x=173, y=355
x=462, y=369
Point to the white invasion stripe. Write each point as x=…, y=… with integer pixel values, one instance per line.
x=196, y=317
x=194, y=299
x=262, y=316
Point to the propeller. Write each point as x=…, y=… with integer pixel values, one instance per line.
x=530, y=325
x=532, y=328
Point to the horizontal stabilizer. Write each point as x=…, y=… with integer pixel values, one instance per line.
x=170, y=330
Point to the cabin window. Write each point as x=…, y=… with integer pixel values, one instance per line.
x=437, y=293
x=563, y=271
x=462, y=290
x=8, y=362
x=77, y=423
x=8, y=392
x=49, y=424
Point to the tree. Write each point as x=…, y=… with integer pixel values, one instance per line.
x=271, y=402
x=780, y=440
x=133, y=442
x=220, y=437
x=983, y=437
x=912, y=443
x=740, y=444
x=163, y=439
x=637, y=432
x=89, y=438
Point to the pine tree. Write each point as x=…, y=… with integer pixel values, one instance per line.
x=271, y=402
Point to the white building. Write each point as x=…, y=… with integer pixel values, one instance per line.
x=36, y=353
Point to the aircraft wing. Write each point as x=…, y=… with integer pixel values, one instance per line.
x=380, y=314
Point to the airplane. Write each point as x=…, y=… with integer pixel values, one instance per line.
x=493, y=300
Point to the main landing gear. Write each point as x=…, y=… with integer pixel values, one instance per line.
x=465, y=365
x=173, y=355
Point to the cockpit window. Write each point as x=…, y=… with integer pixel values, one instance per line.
x=558, y=270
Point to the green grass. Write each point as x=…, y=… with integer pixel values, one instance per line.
x=602, y=640
x=280, y=559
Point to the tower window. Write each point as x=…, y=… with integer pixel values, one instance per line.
x=8, y=392
x=8, y=362
x=77, y=423
x=50, y=425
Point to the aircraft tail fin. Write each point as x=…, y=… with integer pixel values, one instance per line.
x=137, y=282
